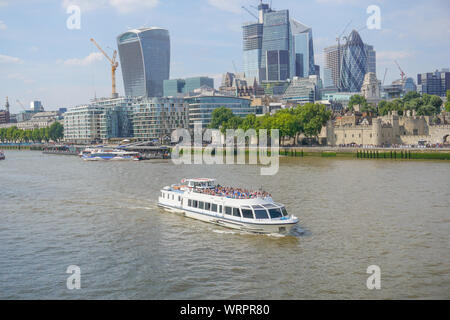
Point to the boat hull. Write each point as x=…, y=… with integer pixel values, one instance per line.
x=260, y=228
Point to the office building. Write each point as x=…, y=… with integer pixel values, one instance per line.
x=36, y=106
x=182, y=87
x=277, y=48
x=145, y=61
x=4, y=114
x=253, y=36
x=333, y=62
x=157, y=118
x=202, y=106
x=173, y=87
x=144, y=119
x=436, y=83
x=302, y=90
x=302, y=59
x=354, y=64
x=82, y=124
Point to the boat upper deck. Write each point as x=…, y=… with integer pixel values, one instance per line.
x=209, y=187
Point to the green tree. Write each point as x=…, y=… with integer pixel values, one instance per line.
x=56, y=131
x=357, y=100
x=411, y=95
x=220, y=116
x=312, y=118
x=436, y=102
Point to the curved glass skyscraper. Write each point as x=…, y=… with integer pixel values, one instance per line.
x=145, y=60
x=354, y=63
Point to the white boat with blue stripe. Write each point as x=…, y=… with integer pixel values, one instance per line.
x=236, y=208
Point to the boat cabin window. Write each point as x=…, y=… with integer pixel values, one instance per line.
x=220, y=209
x=207, y=206
x=236, y=212
x=275, y=213
x=214, y=207
x=285, y=213
x=201, y=204
x=194, y=203
x=162, y=194
x=228, y=210
x=261, y=214
x=189, y=203
x=247, y=213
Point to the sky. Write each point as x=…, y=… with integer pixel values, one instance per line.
x=42, y=59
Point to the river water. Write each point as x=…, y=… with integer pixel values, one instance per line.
x=57, y=211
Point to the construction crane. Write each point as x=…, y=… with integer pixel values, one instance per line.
x=403, y=74
x=20, y=103
x=385, y=73
x=251, y=13
x=114, y=65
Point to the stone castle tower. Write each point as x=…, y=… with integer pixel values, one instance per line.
x=371, y=88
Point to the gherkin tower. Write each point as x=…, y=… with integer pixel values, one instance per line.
x=354, y=63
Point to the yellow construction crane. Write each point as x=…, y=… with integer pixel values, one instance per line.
x=114, y=65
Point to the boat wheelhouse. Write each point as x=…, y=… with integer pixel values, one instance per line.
x=236, y=208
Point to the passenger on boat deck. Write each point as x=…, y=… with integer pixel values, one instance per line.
x=235, y=193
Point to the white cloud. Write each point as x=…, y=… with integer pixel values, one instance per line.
x=126, y=6
x=3, y=3
x=8, y=59
x=122, y=6
x=233, y=6
x=20, y=77
x=338, y=2
x=2, y=25
x=393, y=55
x=92, y=58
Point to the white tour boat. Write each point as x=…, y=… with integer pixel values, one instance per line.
x=110, y=155
x=235, y=208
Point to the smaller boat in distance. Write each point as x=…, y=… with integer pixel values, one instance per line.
x=236, y=208
x=2, y=156
x=110, y=155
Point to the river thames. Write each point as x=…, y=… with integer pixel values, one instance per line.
x=58, y=211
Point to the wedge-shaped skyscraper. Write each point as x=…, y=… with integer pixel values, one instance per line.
x=145, y=60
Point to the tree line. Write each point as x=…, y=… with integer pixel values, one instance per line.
x=424, y=105
x=14, y=135
x=305, y=119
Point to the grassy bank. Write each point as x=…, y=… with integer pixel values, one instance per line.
x=354, y=153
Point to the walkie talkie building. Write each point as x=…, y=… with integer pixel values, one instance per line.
x=145, y=60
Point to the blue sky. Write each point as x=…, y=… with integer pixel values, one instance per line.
x=40, y=58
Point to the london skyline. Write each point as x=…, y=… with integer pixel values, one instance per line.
x=42, y=59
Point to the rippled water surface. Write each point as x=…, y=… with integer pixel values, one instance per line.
x=57, y=211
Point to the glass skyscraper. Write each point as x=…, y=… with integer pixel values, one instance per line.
x=302, y=55
x=275, y=58
x=277, y=48
x=334, y=62
x=354, y=63
x=145, y=60
x=253, y=34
